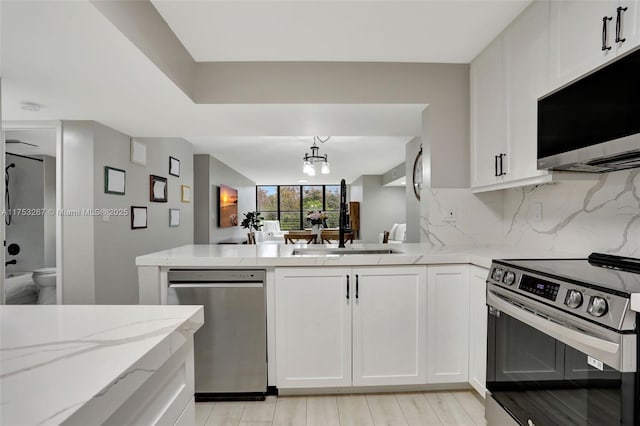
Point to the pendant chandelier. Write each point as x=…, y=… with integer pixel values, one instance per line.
x=309, y=161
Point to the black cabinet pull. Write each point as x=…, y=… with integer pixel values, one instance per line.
x=357, y=286
x=619, y=24
x=347, y=287
x=502, y=172
x=495, y=157
x=605, y=19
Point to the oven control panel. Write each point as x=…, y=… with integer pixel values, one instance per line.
x=593, y=304
x=539, y=287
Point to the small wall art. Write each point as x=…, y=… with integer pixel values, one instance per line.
x=138, y=217
x=157, y=189
x=114, y=180
x=185, y=195
x=138, y=152
x=174, y=167
x=227, y=207
x=174, y=218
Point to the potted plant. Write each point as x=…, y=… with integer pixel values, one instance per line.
x=253, y=222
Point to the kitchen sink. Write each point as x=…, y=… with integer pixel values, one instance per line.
x=340, y=252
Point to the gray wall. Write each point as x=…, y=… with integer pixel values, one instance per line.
x=106, y=273
x=209, y=174
x=26, y=187
x=380, y=206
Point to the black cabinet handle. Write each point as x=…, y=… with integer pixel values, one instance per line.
x=619, y=24
x=502, y=172
x=357, y=286
x=347, y=287
x=495, y=157
x=605, y=19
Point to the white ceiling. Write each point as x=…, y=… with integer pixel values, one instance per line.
x=70, y=59
x=278, y=160
x=450, y=31
x=43, y=139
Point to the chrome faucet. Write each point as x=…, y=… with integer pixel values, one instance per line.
x=343, y=213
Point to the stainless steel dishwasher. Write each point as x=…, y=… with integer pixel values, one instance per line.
x=231, y=347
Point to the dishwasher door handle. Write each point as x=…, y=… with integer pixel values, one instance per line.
x=216, y=285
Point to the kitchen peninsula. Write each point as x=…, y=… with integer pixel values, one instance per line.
x=81, y=365
x=339, y=320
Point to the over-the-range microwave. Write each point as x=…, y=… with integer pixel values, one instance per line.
x=593, y=124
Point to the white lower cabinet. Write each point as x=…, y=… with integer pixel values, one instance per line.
x=478, y=328
x=448, y=324
x=361, y=326
x=313, y=327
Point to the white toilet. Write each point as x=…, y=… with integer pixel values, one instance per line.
x=45, y=280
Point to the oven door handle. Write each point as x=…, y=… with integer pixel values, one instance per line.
x=604, y=350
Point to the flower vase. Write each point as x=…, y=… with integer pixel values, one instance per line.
x=315, y=229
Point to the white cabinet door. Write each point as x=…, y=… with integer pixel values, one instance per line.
x=526, y=59
x=389, y=326
x=478, y=328
x=313, y=327
x=488, y=115
x=576, y=37
x=448, y=324
x=629, y=25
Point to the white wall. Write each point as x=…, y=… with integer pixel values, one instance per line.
x=26, y=189
x=380, y=206
x=49, y=205
x=210, y=173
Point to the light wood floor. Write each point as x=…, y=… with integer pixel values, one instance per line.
x=461, y=408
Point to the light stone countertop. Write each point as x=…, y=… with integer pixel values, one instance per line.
x=57, y=361
x=277, y=254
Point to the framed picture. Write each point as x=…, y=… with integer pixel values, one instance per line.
x=138, y=152
x=185, y=193
x=227, y=207
x=174, y=218
x=114, y=180
x=174, y=167
x=138, y=217
x=157, y=189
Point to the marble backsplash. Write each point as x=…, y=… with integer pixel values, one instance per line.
x=602, y=215
x=577, y=217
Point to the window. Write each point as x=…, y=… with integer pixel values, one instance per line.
x=290, y=204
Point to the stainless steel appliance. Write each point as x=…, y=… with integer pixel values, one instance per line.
x=592, y=125
x=231, y=347
x=563, y=342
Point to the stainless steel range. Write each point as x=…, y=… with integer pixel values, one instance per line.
x=563, y=342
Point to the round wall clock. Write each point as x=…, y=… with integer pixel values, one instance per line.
x=417, y=174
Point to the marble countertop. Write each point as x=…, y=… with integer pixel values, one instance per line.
x=55, y=360
x=274, y=254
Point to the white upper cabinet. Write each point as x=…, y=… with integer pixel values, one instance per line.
x=628, y=17
x=586, y=34
x=526, y=59
x=488, y=116
x=389, y=326
x=577, y=34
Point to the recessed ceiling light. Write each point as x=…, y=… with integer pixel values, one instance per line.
x=403, y=183
x=30, y=106
x=302, y=181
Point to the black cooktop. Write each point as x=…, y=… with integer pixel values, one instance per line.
x=583, y=271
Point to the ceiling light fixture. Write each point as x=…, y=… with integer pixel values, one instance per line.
x=309, y=161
